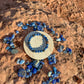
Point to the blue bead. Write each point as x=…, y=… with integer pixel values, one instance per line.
x=44, y=25
x=11, y=43
x=27, y=63
x=27, y=24
x=12, y=46
x=53, y=32
x=61, y=36
x=7, y=48
x=20, y=24
x=63, y=39
x=40, y=66
x=18, y=61
x=59, y=39
x=56, y=34
x=47, y=82
x=34, y=71
x=55, y=70
x=29, y=66
x=27, y=70
x=54, y=75
x=22, y=62
x=54, y=81
x=44, y=82
x=41, y=62
x=58, y=80
x=21, y=73
x=37, y=64
x=27, y=76
x=49, y=73
x=30, y=74
x=33, y=24
x=50, y=79
x=16, y=32
x=6, y=39
x=24, y=27
x=38, y=23
x=12, y=37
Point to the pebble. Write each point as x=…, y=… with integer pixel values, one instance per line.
x=14, y=51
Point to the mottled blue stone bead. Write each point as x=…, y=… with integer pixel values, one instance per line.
x=7, y=48
x=37, y=64
x=24, y=27
x=58, y=80
x=63, y=39
x=27, y=24
x=44, y=25
x=27, y=63
x=50, y=79
x=22, y=62
x=53, y=32
x=61, y=36
x=28, y=70
x=41, y=62
x=33, y=24
x=47, y=82
x=21, y=73
x=49, y=73
x=29, y=66
x=58, y=39
x=30, y=74
x=38, y=23
x=16, y=32
x=6, y=39
x=54, y=81
x=20, y=24
x=18, y=61
x=12, y=37
x=40, y=66
x=11, y=43
x=27, y=76
x=34, y=71
x=44, y=82
x=55, y=70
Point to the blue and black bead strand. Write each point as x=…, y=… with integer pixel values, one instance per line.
x=36, y=49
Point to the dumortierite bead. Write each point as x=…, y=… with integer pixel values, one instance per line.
x=18, y=61
x=20, y=24
x=34, y=71
x=33, y=24
x=49, y=73
x=16, y=32
x=54, y=81
x=27, y=70
x=38, y=23
x=7, y=48
x=21, y=61
x=58, y=80
x=30, y=74
x=44, y=82
x=27, y=24
x=21, y=73
x=27, y=76
x=55, y=70
x=24, y=27
x=29, y=66
x=12, y=37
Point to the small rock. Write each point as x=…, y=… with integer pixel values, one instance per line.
x=14, y=51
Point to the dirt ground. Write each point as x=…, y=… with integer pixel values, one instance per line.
x=65, y=16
